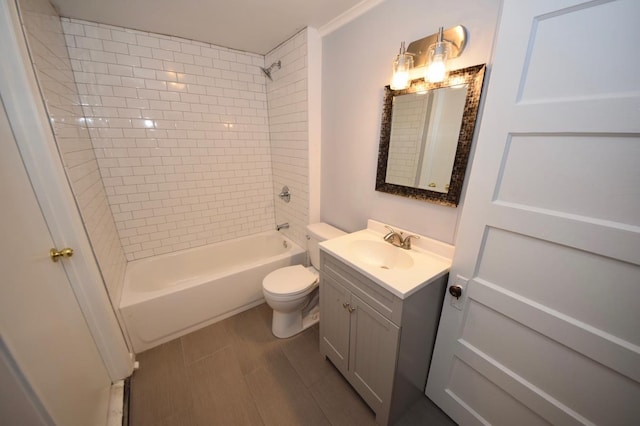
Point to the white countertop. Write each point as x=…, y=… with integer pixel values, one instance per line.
x=427, y=264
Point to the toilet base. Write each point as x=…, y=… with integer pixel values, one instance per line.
x=286, y=325
x=311, y=318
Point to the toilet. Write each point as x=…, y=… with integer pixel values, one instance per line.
x=292, y=292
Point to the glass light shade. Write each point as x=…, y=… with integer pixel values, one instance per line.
x=436, y=70
x=401, y=67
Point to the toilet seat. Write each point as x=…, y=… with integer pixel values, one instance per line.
x=289, y=281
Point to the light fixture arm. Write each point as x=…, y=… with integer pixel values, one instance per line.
x=456, y=36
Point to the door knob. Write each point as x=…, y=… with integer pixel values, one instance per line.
x=55, y=254
x=455, y=291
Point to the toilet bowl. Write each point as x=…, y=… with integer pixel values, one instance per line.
x=292, y=291
x=288, y=291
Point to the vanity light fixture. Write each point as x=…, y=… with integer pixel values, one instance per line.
x=437, y=56
x=401, y=68
x=432, y=53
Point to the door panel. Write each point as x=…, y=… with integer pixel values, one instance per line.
x=544, y=364
x=563, y=329
x=18, y=406
x=583, y=274
x=562, y=174
x=561, y=47
x=486, y=399
x=36, y=142
x=40, y=319
x=550, y=230
x=334, y=327
x=373, y=352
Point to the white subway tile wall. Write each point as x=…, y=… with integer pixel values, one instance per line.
x=408, y=128
x=288, y=121
x=53, y=69
x=180, y=130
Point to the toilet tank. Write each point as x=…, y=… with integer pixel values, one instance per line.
x=317, y=233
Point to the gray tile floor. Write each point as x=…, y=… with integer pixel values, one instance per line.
x=236, y=373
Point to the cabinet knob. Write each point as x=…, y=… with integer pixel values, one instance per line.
x=348, y=307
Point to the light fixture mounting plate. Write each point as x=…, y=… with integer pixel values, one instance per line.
x=457, y=36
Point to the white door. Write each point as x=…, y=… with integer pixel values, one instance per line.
x=40, y=321
x=548, y=326
x=30, y=124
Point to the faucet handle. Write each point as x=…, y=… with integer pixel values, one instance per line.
x=406, y=241
x=392, y=234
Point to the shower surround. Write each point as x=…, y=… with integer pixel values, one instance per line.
x=181, y=134
x=288, y=98
x=171, y=135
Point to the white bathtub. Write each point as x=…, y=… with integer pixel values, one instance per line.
x=167, y=296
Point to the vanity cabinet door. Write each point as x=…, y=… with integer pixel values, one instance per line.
x=334, y=323
x=372, y=357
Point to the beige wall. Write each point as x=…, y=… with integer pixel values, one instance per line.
x=357, y=62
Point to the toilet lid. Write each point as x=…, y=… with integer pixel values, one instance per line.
x=289, y=280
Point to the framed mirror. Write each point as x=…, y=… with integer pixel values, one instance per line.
x=426, y=134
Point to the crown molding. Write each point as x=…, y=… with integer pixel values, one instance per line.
x=348, y=16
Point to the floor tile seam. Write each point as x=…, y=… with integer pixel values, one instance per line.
x=263, y=365
x=253, y=397
x=266, y=346
x=299, y=375
x=193, y=393
x=316, y=390
x=257, y=407
x=202, y=358
x=260, y=361
x=182, y=351
x=251, y=394
x=315, y=399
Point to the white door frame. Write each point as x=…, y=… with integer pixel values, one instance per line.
x=34, y=136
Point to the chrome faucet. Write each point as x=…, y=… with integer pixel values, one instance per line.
x=393, y=237
x=282, y=226
x=406, y=242
x=398, y=239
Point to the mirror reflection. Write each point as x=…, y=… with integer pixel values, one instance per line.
x=425, y=137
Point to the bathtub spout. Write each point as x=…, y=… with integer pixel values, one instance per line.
x=282, y=226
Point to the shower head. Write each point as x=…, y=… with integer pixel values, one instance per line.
x=267, y=71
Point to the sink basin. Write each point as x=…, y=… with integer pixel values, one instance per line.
x=380, y=254
x=402, y=272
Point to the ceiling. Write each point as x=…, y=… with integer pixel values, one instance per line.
x=255, y=26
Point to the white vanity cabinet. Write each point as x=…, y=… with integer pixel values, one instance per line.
x=380, y=343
